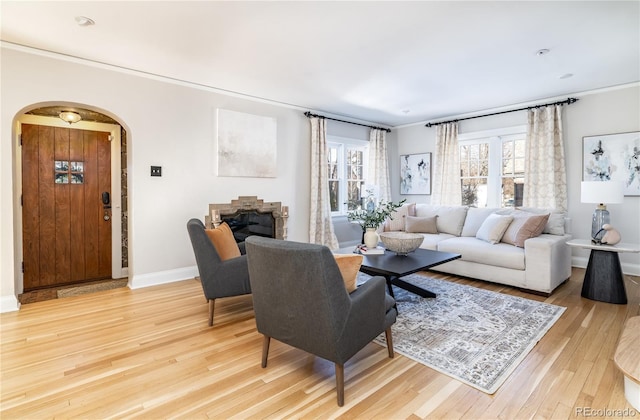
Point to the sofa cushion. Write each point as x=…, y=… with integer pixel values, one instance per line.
x=349, y=265
x=478, y=251
x=396, y=221
x=525, y=225
x=415, y=224
x=474, y=219
x=493, y=228
x=555, y=224
x=223, y=241
x=450, y=218
x=431, y=240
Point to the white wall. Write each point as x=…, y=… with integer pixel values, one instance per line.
x=604, y=112
x=167, y=124
x=174, y=126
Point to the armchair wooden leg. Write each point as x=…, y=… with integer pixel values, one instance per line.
x=211, y=305
x=389, y=339
x=265, y=350
x=340, y=383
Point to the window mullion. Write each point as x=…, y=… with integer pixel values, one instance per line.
x=495, y=172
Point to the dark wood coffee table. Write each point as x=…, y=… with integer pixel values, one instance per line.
x=392, y=266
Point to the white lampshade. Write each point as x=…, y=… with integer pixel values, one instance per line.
x=602, y=192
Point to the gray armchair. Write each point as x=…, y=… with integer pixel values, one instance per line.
x=219, y=278
x=299, y=298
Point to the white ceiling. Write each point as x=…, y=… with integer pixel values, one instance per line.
x=372, y=61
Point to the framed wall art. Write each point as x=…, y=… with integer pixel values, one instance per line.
x=246, y=145
x=613, y=157
x=415, y=174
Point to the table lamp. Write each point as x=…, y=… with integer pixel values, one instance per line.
x=601, y=192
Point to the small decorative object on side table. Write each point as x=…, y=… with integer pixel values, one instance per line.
x=603, y=279
x=611, y=236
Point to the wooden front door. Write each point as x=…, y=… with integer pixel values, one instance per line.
x=66, y=225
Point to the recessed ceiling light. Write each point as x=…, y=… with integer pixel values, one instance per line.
x=84, y=21
x=566, y=76
x=543, y=51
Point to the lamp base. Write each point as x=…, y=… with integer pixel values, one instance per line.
x=600, y=217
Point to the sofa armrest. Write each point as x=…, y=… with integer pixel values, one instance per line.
x=547, y=261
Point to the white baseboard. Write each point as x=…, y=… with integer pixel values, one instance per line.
x=162, y=277
x=628, y=269
x=9, y=304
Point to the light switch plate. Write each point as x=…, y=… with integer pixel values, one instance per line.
x=156, y=171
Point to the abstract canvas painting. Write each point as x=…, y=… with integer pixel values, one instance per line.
x=415, y=174
x=613, y=157
x=247, y=145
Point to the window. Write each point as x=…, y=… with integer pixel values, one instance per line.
x=347, y=164
x=512, y=170
x=66, y=173
x=492, y=167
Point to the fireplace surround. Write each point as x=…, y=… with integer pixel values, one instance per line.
x=249, y=215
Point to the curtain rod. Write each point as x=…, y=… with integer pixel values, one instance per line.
x=568, y=101
x=309, y=115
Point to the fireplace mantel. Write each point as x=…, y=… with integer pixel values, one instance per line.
x=248, y=204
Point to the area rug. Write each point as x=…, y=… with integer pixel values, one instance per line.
x=91, y=288
x=476, y=336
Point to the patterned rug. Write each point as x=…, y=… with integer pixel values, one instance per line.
x=476, y=336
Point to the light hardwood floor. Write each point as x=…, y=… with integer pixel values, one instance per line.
x=148, y=353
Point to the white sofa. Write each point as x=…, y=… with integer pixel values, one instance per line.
x=539, y=264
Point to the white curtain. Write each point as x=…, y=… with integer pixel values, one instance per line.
x=446, y=172
x=379, y=164
x=545, y=181
x=320, y=224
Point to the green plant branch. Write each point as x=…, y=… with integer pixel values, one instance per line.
x=374, y=218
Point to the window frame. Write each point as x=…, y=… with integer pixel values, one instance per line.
x=344, y=143
x=494, y=138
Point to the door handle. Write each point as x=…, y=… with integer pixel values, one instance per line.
x=106, y=205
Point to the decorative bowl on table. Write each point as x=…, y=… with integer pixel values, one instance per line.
x=401, y=243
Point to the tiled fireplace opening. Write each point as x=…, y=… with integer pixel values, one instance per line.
x=249, y=215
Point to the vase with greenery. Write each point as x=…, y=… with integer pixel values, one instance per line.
x=372, y=218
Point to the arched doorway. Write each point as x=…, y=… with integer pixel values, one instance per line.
x=58, y=239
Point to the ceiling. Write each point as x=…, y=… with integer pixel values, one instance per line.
x=390, y=63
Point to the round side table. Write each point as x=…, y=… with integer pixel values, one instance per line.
x=603, y=280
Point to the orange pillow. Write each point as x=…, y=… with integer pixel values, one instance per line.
x=223, y=241
x=349, y=265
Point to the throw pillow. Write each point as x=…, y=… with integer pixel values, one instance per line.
x=397, y=223
x=349, y=265
x=493, y=228
x=223, y=241
x=524, y=226
x=474, y=219
x=555, y=224
x=420, y=224
x=450, y=218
